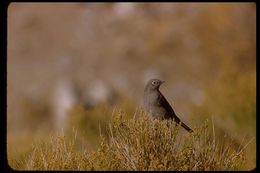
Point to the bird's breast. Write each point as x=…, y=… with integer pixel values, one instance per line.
x=151, y=102
x=150, y=99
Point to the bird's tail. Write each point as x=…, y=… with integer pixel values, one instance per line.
x=186, y=127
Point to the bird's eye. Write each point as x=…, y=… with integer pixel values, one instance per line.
x=154, y=82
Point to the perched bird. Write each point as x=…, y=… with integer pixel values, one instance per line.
x=156, y=104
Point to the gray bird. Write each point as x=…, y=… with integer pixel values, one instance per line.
x=156, y=104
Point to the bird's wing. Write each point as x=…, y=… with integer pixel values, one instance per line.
x=186, y=127
x=164, y=103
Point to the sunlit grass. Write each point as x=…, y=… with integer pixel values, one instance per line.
x=138, y=143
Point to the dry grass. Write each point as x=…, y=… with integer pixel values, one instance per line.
x=205, y=52
x=138, y=143
x=144, y=144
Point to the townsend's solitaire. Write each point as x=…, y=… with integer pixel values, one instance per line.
x=156, y=104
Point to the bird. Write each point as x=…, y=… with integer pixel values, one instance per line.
x=157, y=105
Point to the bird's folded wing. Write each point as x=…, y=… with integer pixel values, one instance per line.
x=164, y=103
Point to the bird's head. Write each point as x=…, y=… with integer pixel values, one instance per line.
x=153, y=84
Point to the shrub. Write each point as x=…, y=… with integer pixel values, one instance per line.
x=139, y=143
x=144, y=144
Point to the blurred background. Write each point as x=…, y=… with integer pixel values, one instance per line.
x=70, y=65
